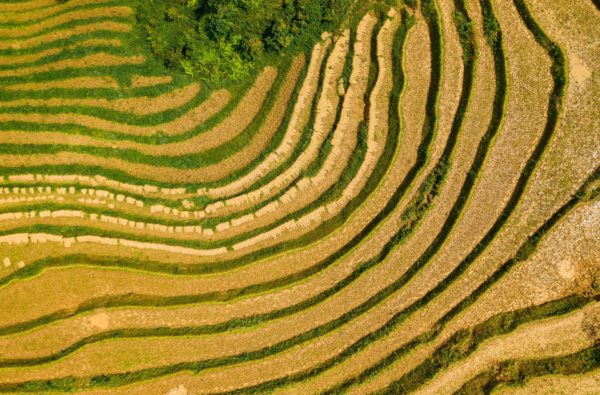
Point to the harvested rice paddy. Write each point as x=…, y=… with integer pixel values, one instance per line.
x=409, y=205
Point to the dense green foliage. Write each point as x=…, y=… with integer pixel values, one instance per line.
x=219, y=40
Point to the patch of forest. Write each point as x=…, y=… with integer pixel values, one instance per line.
x=220, y=40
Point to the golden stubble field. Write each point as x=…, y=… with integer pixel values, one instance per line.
x=410, y=205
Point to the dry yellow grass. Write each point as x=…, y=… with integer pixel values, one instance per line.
x=475, y=218
x=223, y=132
x=232, y=126
x=26, y=5
x=369, y=322
x=551, y=337
x=203, y=111
x=359, y=84
x=574, y=152
x=529, y=214
x=142, y=81
x=46, y=24
x=272, y=268
x=141, y=105
x=324, y=122
x=473, y=129
x=88, y=61
x=298, y=121
x=308, y=189
x=581, y=384
x=566, y=262
x=567, y=246
x=462, y=288
x=513, y=292
x=59, y=35
x=16, y=16
x=70, y=83
x=267, y=131
x=14, y=60
x=335, y=306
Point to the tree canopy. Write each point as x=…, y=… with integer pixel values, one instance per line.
x=219, y=40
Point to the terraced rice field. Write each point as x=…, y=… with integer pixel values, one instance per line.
x=411, y=206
